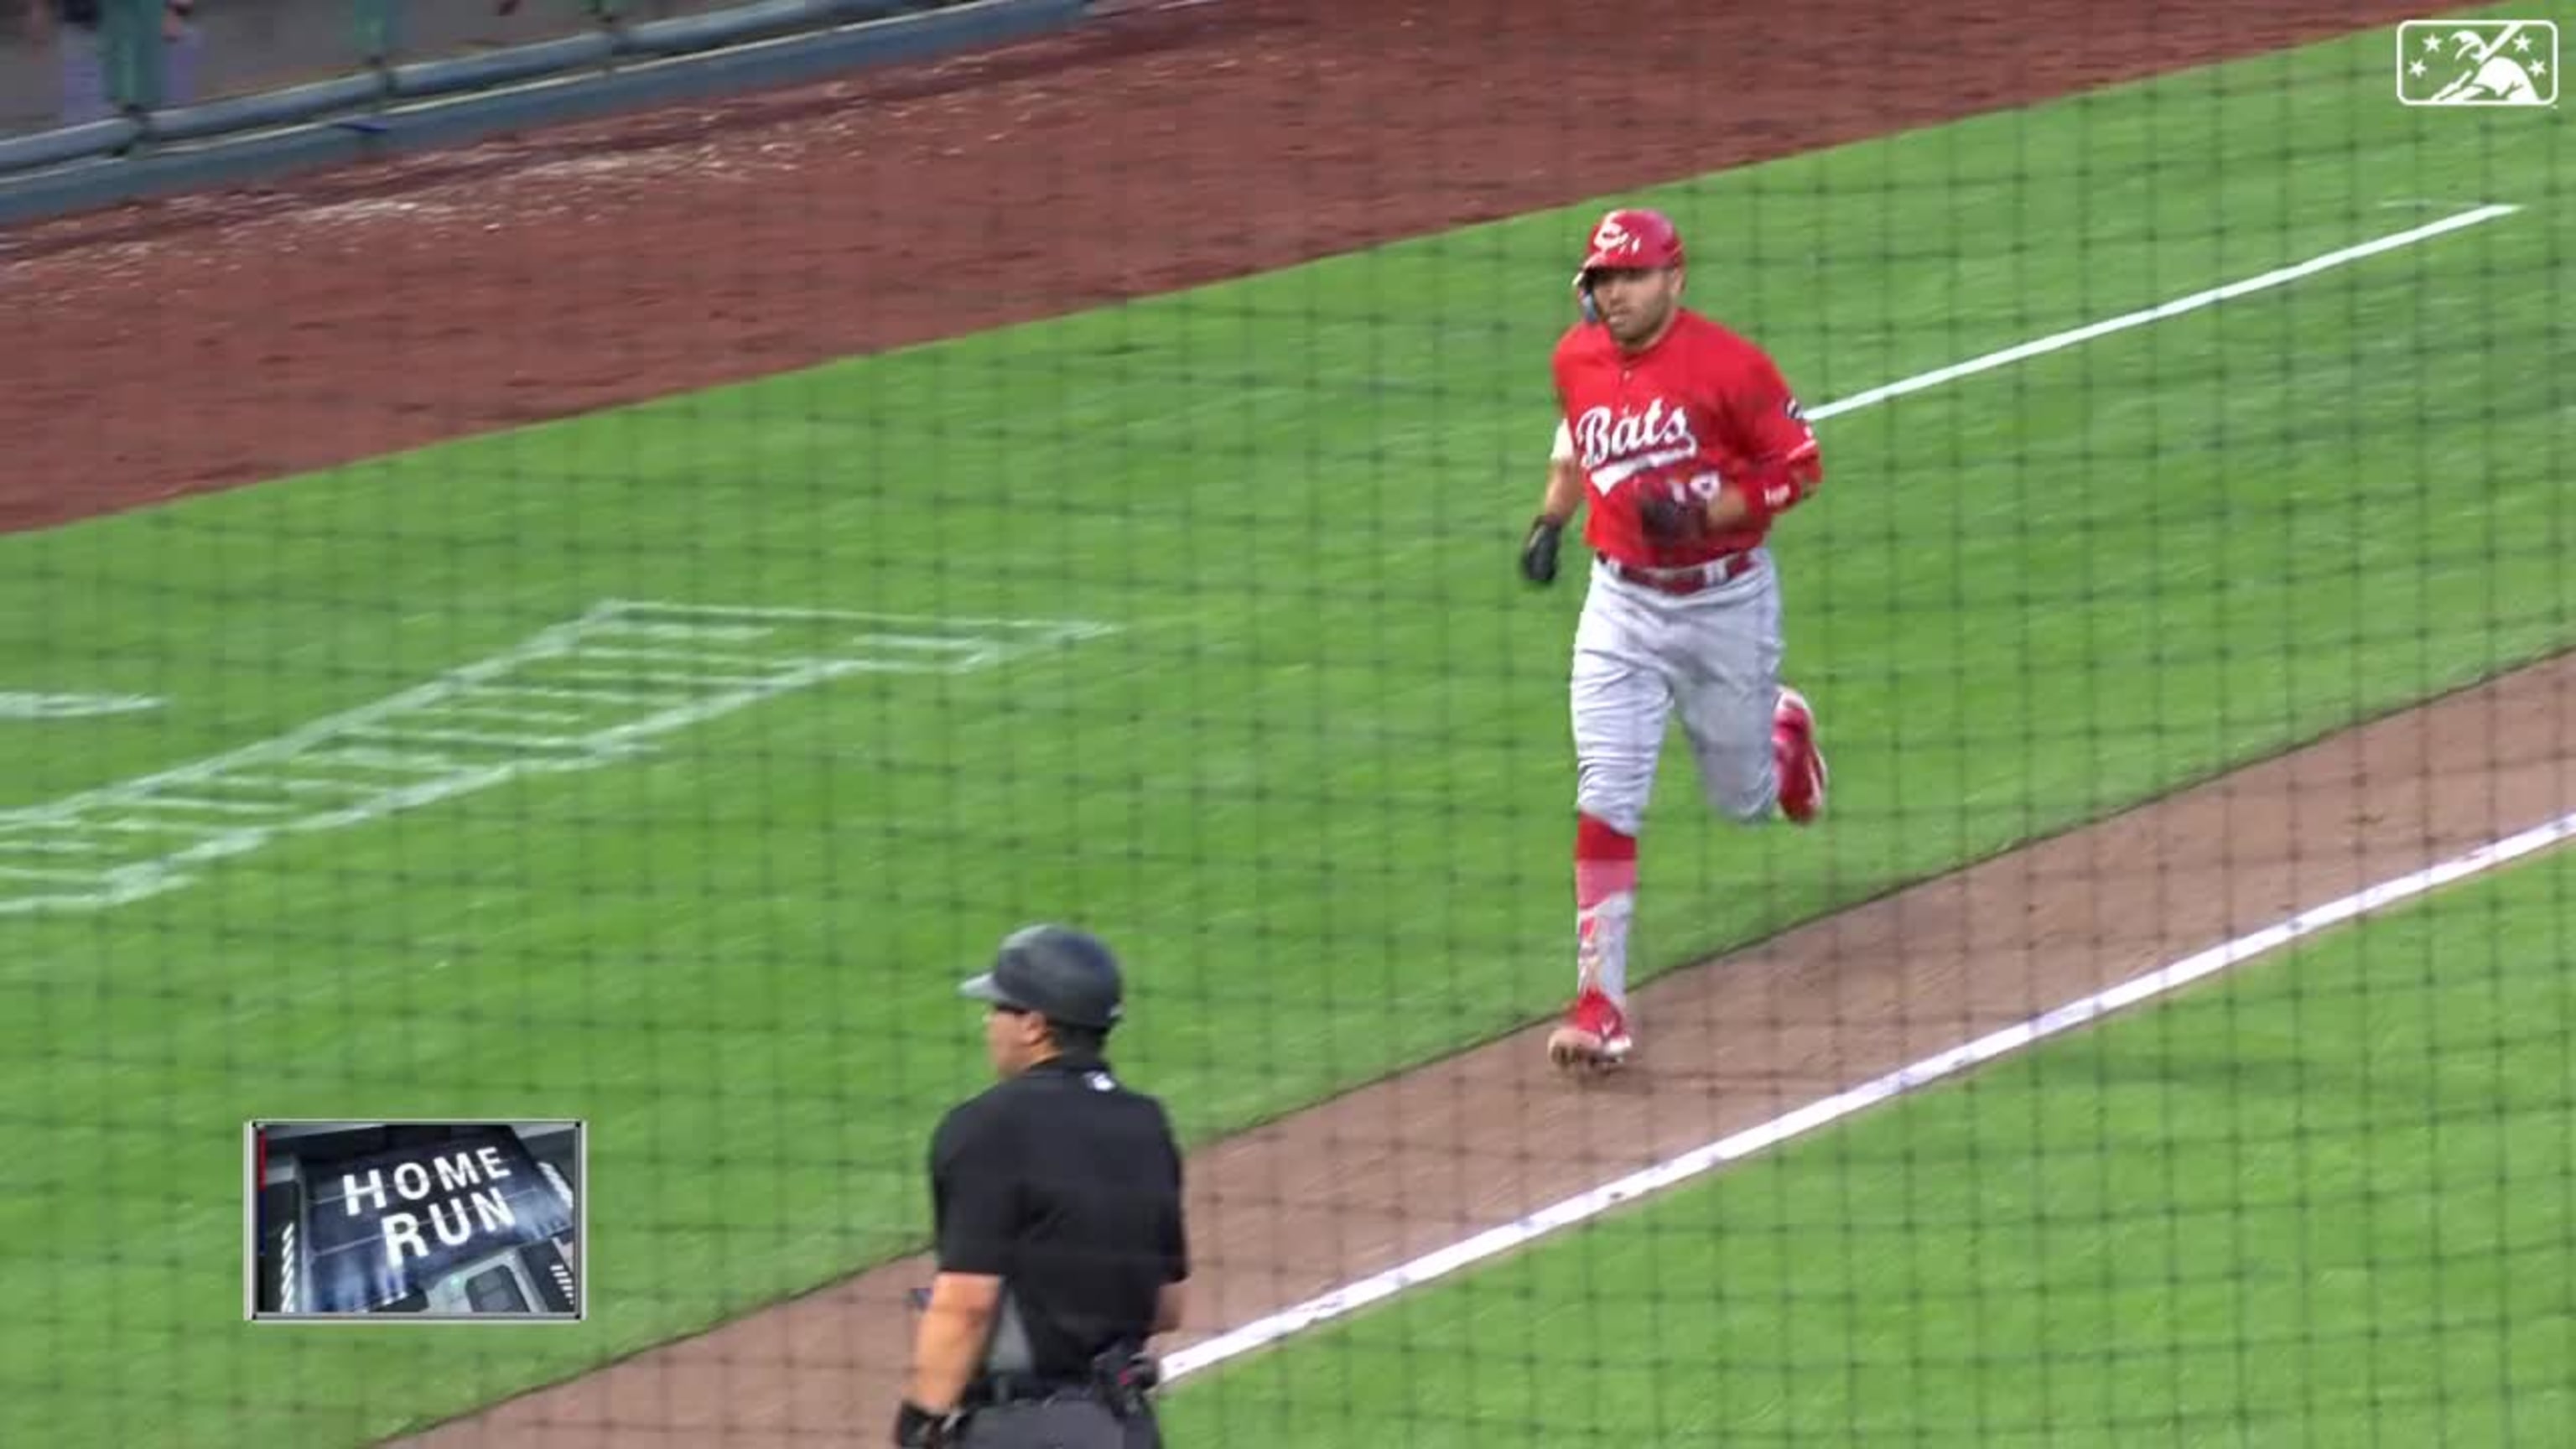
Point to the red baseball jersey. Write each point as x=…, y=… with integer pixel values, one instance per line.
x=1700, y=409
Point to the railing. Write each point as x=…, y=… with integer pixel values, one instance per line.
x=54, y=74
x=611, y=62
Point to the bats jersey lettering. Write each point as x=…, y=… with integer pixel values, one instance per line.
x=1702, y=408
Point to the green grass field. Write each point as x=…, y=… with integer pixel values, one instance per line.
x=2326, y=1201
x=1316, y=786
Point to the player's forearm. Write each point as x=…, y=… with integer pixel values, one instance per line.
x=1761, y=493
x=1564, y=492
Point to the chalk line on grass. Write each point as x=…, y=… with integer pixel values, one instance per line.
x=1673, y=1171
x=2162, y=311
x=574, y=696
x=1581, y=1207
x=32, y=705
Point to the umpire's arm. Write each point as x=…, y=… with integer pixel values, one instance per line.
x=1171, y=1301
x=949, y=1343
x=974, y=1202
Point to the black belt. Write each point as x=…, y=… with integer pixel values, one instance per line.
x=998, y=1389
x=1119, y=1382
x=1686, y=578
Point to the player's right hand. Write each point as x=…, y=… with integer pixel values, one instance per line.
x=1538, y=550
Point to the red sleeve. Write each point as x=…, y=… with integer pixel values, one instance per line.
x=1556, y=369
x=1779, y=463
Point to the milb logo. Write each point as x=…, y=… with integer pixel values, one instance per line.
x=2477, y=63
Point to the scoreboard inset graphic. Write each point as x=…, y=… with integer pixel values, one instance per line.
x=417, y=1220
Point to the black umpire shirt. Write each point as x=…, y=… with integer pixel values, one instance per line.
x=1067, y=1186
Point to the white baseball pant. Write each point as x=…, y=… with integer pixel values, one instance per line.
x=1643, y=658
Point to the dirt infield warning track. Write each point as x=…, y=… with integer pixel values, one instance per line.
x=219, y=340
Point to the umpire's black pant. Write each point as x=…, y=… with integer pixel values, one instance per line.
x=1062, y=1423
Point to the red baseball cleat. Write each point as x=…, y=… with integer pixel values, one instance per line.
x=1802, y=764
x=1595, y=1034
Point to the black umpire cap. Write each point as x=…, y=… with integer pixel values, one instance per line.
x=1057, y=972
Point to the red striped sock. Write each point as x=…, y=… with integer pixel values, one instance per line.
x=1605, y=890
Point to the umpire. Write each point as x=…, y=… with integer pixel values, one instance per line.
x=1056, y=1195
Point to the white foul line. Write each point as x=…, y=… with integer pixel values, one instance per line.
x=2059, y=341
x=1378, y=1287
x=1674, y=1170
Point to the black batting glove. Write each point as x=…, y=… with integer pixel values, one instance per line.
x=1538, y=549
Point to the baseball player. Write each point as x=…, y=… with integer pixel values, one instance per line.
x=1687, y=443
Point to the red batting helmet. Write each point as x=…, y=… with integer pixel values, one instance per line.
x=1633, y=238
